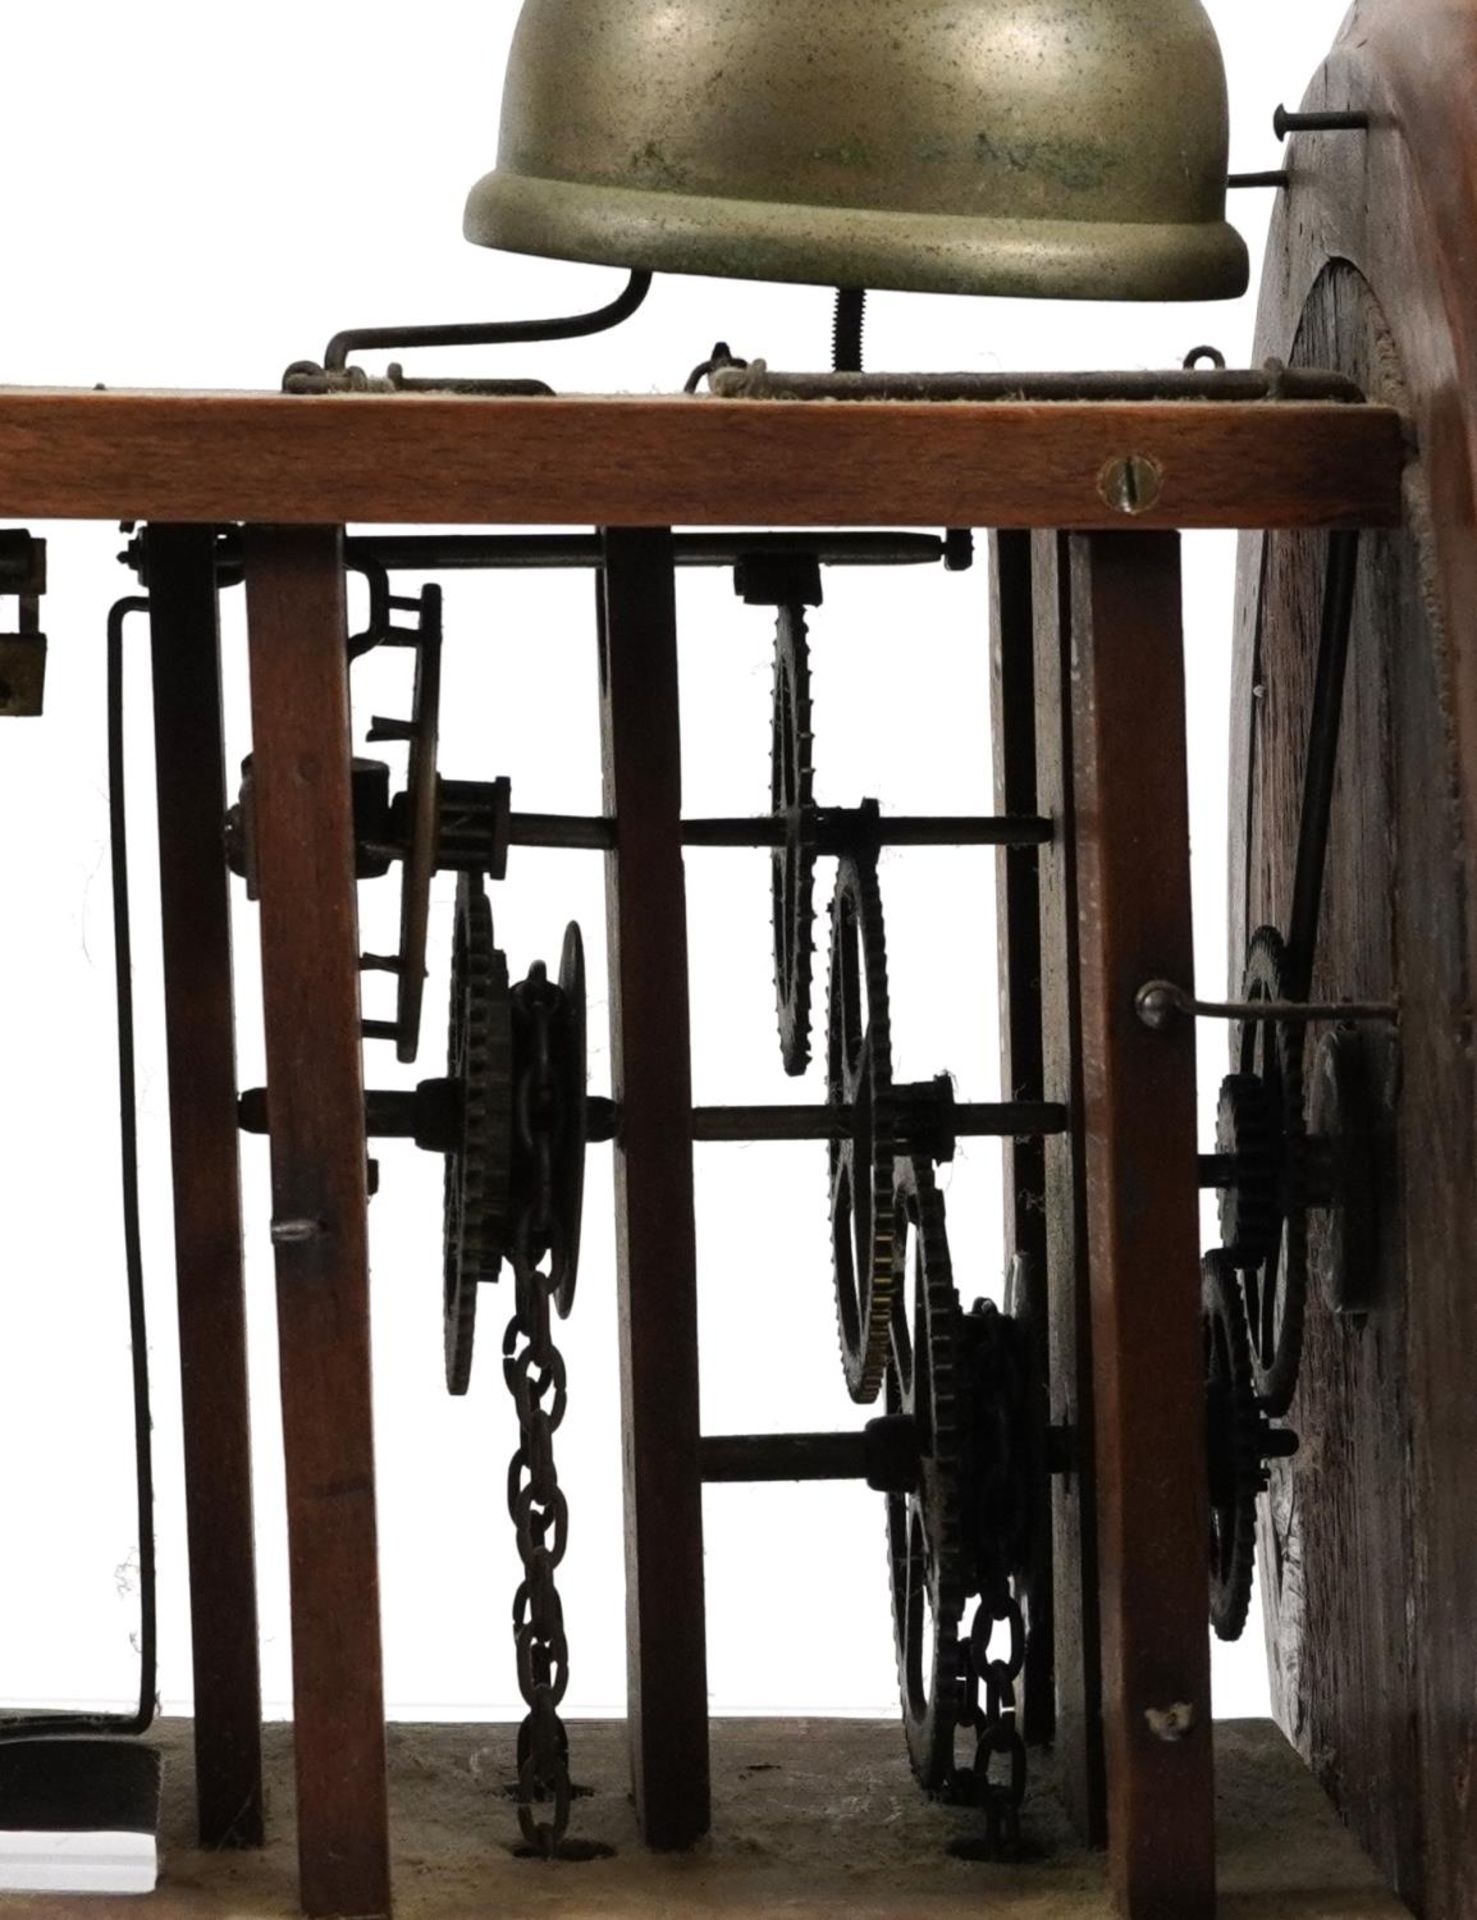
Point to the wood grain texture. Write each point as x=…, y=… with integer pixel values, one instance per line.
x=1139, y=1119
x=656, y=1233
x=200, y=1032
x=1018, y=919
x=1369, y=1556
x=298, y=636
x=700, y=462
x=1079, y=1702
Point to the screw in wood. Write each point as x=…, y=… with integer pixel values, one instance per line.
x=1131, y=484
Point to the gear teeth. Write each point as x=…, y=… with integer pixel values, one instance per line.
x=479, y=1176
x=856, y=916
x=792, y=799
x=1233, y=1515
x=936, y=1509
x=1275, y=1053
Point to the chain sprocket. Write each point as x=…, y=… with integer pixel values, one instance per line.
x=1276, y=1287
x=478, y=1189
x=1234, y=1432
x=792, y=800
x=859, y=1077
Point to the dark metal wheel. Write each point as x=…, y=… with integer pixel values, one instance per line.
x=1233, y=1437
x=478, y=1189
x=1271, y=1053
x=859, y=1077
x=925, y=1527
x=552, y=1108
x=792, y=799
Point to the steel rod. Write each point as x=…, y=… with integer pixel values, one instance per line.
x=576, y=832
x=1013, y=1120
x=733, y=1459
x=495, y=552
x=1234, y=384
x=1321, y=766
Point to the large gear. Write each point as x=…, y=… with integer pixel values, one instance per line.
x=859, y=1078
x=926, y=1527
x=1247, y=1131
x=563, y=1115
x=1277, y=1285
x=792, y=800
x=478, y=1189
x=1234, y=1435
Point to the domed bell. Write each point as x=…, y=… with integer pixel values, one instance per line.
x=1067, y=148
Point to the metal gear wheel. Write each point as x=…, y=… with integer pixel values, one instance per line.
x=562, y=1119
x=1247, y=1131
x=478, y=1190
x=792, y=800
x=1277, y=1286
x=925, y=1527
x=1234, y=1430
x=859, y=1077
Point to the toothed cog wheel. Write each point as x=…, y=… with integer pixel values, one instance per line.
x=478, y=1199
x=1235, y=1434
x=792, y=800
x=859, y=1078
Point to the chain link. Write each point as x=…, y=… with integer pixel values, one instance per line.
x=534, y=1370
x=996, y=1782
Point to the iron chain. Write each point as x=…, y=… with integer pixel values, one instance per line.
x=534, y=1370
x=997, y=1781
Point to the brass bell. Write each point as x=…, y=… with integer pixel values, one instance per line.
x=1066, y=148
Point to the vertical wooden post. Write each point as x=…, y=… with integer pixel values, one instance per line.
x=200, y=1031
x=656, y=1241
x=1134, y=920
x=1079, y=1728
x=1018, y=919
x=315, y=1090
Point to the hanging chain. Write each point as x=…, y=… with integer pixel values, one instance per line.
x=534, y=1370
x=996, y=1783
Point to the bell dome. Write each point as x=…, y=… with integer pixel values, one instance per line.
x=1060, y=148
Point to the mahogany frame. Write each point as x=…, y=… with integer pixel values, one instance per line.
x=1095, y=621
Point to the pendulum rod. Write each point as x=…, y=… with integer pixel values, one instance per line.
x=1321, y=766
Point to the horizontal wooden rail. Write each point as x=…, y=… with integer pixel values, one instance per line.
x=697, y=462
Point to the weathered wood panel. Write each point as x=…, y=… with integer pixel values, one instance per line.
x=656, y=1233
x=1079, y=1703
x=1369, y=1551
x=200, y=1030
x=697, y=462
x=1132, y=832
x=298, y=635
x=1018, y=918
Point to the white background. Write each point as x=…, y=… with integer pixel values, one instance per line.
x=195, y=197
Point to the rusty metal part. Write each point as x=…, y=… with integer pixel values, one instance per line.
x=792, y=801
x=1277, y=1286
x=859, y=1077
x=1241, y=385
x=478, y=1190
x=1159, y=1003
x=459, y=552
x=1233, y=1433
x=1248, y=1135
x=1072, y=150
x=834, y=830
x=549, y=1045
x=336, y=376
x=925, y=1526
x=1285, y=123
x=926, y=1120
x=884, y=1454
x=23, y=653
